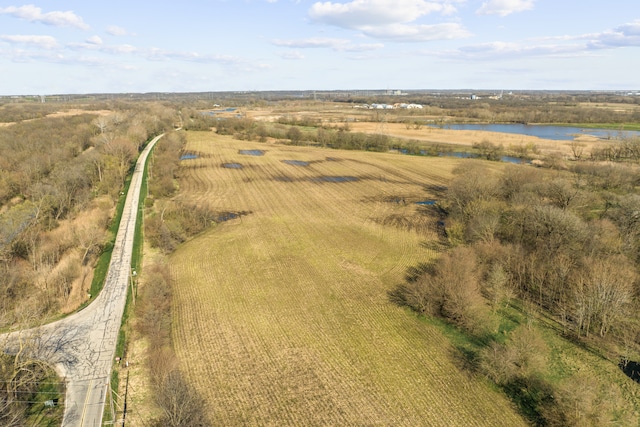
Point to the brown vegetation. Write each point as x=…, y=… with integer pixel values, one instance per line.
x=30, y=393
x=545, y=240
x=60, y=177
x=522, y=252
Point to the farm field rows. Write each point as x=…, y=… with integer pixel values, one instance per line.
x=281, y=316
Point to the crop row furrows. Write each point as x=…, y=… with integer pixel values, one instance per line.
x=283, y=319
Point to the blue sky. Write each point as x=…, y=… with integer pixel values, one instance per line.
x=50, y=47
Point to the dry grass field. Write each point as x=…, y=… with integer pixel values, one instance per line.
x=281, y=316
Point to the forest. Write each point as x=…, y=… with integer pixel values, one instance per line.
x=61, y=176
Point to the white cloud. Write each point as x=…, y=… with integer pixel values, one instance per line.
x=32, y=13
x=417, y=33
x=509, y=50
x=366, y=47
x=45, y=42
x=96, y=40
x=114, y=30
x=358, y=13
x=96, y=44
x=233, y=62
x=624, y=35
x=327, y=43
x=313, y=43
x=390, y=19
x=505, y=7
x=291, y=55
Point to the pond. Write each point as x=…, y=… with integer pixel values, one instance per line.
x=188, y=156
x=296, y=162
x=252, y=152
x=557, y=133
x=226, y=216
x=335, y=179
x=467, y=155
x=232, y=165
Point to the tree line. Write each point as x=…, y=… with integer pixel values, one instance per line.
x=167, y=224
x=561, y=244
x=60, y=178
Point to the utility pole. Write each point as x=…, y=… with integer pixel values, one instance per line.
x=126, y=390
x=133, y=290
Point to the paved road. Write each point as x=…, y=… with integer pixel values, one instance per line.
x=82, y=346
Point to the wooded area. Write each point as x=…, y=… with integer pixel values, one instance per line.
x=60, y=178
x=559, y=243
x=61, y=175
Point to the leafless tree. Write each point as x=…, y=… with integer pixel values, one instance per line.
x=603, y=294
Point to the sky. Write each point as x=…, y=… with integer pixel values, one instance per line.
x=98, y=46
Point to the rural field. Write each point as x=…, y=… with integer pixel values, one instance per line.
x=281, y=316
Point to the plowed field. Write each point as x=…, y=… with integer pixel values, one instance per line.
x=281, y=316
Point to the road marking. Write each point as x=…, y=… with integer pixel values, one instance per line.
x=86, y=401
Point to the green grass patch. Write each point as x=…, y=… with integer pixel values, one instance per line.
x=40, y=412
x=567, y=360
x=613, y=126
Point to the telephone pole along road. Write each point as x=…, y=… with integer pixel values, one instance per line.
x=82, y=346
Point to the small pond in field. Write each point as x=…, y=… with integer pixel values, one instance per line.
x=296, y=162
x=232, y=165
x=426, y=202
x=335, y=179
x=226, y=216
x=467, y=155
x=188, y=156
x=252, y=152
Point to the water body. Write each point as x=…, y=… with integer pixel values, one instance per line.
x=232, y=165
x=426, y=202
x=467, y=155
x=557, y=133
x=335, y=179
x=214, y=112
x=296, y=162
x=252, y=152
x=226, y=216
x=188, y=156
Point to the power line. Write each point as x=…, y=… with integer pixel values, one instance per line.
x=31, y=382
x=35, y=392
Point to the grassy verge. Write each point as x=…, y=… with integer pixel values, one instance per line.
x=102, y=266
x=567, y=362
x=612, y=126
x=40, y=413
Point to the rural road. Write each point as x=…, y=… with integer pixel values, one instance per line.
x=82, y=346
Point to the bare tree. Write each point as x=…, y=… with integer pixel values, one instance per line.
x=89, y=238
x=180, y=404
x=603, y=294
x=577, y=149
x=102, y=123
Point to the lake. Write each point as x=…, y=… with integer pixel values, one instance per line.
x=558, y=133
